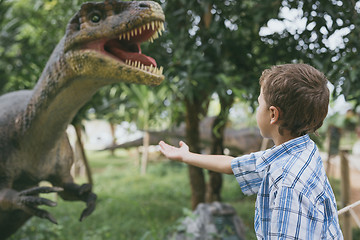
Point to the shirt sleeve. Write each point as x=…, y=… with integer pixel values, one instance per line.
x=244, y=170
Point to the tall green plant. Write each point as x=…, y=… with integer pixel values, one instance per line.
x=144, y=107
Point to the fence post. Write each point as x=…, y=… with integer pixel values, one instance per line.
x=345, y=194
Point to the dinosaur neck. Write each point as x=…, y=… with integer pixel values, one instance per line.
x=56, y=98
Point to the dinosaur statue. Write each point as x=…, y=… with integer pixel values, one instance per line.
x=101, y=46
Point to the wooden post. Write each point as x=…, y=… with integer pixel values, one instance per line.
x=345, y=194
x=82, y=151
x=264, y=144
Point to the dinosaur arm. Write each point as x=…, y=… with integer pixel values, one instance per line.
x=75, y=192
x=28, y=201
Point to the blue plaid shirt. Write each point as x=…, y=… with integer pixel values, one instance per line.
x=294, y=197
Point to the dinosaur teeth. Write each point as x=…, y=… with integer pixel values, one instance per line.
x=151, y=69
x=153, y=25
x=159, y=28
x=156, y=26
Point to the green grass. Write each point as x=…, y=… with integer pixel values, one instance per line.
x=130, y=206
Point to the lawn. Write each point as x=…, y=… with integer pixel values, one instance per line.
x=131, y=206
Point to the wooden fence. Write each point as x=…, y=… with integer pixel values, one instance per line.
x=347, y=212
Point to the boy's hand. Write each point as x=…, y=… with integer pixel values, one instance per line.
x=174, y=153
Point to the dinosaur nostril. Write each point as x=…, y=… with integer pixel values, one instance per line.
x=144, y=5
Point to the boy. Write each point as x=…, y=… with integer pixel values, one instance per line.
x=294, y=197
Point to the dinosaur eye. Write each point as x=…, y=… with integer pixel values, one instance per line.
x=95, y=17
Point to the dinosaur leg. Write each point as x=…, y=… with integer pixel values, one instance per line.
x=63, y=179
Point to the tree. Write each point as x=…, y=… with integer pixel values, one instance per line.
x=205, y=39
x=327, y=39
x=345, y=71
x=208, y=38
x=24, y=38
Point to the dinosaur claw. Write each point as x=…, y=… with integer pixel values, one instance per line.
x=82, y=217
x=87, y=211
x=37, y=190
x=57, y=189
x=84, y=214
x=36, y=201
x=90, y=206
x=50, y=204
x=28, y=200
x=51, y=219
x=85, y=188
x=84, y=193
x=41, y=213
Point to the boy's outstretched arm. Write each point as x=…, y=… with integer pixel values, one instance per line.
x=216, y=163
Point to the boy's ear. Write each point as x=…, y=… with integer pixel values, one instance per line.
x=274, y=114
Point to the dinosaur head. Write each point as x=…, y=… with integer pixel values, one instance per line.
x=102, y=41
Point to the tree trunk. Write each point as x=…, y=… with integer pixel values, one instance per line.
x=82, y=151
x=145, y=152
x=218, y=128
x=197, y=180
x=194, y=107
x=334, y=136
x=112, y=129
x=213, y=192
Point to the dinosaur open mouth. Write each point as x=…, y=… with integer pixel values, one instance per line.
x=127, y=47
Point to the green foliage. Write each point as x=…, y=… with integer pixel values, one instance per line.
x=144, y=105
x=207, y=47
x=29, y=32
x=214, y=46
x=356, y=233
x=310, y=43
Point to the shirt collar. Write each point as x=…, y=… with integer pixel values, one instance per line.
x=290, y=147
